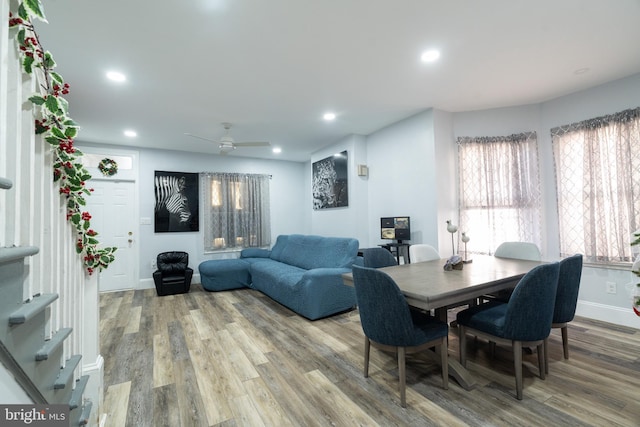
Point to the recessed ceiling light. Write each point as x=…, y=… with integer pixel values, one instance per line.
x=430, y=55
x=116, y=76
x=277, y=150
x=329, y=116
x=130, y=133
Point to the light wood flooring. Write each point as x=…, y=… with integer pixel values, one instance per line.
x=237, y=358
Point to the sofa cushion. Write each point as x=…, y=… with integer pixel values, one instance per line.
x=255, y=253
x=224, y=274
x=277, y=280
x=276, y=250
x=271, y=270
x=311, y=252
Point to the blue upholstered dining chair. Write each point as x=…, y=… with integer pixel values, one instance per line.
x=566, y=300
x=523, y=321
x=378, y=258
x=390, y=325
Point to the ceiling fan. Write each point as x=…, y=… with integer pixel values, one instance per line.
x=227, y=144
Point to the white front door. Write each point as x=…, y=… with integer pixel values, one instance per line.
x=113, y=214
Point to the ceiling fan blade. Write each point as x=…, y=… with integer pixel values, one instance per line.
x=252, y=144
x=200, y=137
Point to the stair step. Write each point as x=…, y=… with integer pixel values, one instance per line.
x=78, y=391
x=31, y=308
x=16, y=252
x=53, y=344
x=86, y=413
x=66, y=373
x=5, y=183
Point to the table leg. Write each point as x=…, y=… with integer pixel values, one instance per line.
x=462, y=376
x=456, y=370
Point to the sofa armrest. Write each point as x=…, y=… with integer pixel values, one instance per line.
x=255, y=253
x=318, y=274
x=323, y=292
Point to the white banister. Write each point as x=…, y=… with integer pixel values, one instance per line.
x=32, y=213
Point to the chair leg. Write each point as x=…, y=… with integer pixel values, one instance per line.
x=565, y=341
x=462, y=345
x=444, y=360
x=540, y=349
x=402, y=374
x=517, y=364
x=367, y=350
x=546, y=356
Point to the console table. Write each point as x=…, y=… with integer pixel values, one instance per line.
x=398, y=249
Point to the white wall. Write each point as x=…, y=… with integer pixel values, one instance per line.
x=11, y=393
x=288, y=215
x=403, y=177
x=446, y=166
x=350, y=221
x=605, y=99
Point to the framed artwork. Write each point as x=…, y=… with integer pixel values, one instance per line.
x=330, y=182
x=177, y=201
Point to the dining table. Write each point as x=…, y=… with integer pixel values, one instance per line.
x=428, y=286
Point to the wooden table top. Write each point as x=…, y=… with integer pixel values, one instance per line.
x=428, y=286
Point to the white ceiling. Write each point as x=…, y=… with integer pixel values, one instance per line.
x=273, y=67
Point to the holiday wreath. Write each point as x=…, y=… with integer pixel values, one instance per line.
x=108, y=167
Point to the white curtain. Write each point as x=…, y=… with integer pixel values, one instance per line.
x=597, y=164
x=499, y=190
x=236, y=210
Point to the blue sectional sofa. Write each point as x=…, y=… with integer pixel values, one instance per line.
x=301, y=272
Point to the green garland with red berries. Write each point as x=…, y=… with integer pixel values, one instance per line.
x=59, y=130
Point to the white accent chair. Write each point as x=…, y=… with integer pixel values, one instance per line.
x=423, y=252
x=514, y=250
x=518, y=250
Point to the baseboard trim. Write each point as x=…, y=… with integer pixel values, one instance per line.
x=608, y=313
x=94, y=389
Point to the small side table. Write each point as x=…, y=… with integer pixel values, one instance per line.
x=398, y=249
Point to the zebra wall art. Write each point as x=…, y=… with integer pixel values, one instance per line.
x=176, y=206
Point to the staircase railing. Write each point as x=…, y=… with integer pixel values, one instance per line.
x=53, y=320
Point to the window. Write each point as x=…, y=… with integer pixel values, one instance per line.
x=236, y=211
x=597, y=165
x=499, y=190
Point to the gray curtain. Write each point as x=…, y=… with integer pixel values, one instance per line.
x=236, y=211
x=597, y=165
x=499, y=190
